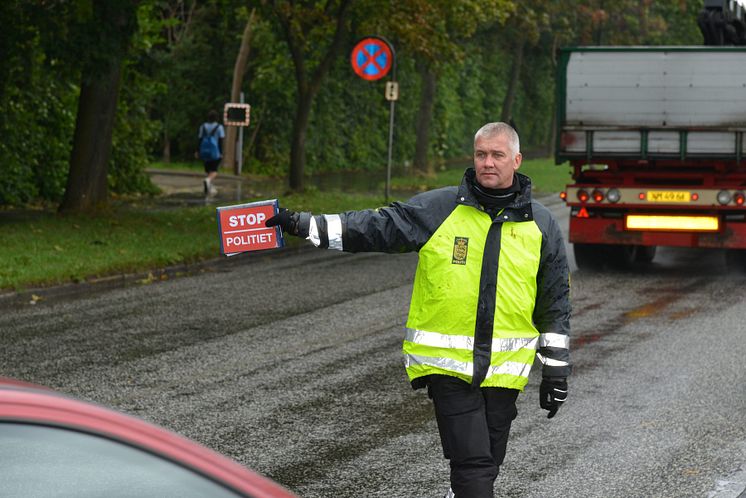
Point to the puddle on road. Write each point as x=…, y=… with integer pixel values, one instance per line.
x=580, y=341
x=685, y=313
x=585, y=309
x=667, y=296
x=652, y=308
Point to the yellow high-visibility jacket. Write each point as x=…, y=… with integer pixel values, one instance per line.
x=488, y=293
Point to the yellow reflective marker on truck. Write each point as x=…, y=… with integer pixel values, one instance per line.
x=658, y=222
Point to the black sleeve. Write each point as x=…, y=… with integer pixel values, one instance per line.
x=398, y=227
x=552, y=309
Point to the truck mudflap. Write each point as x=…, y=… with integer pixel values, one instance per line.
x=598, y=230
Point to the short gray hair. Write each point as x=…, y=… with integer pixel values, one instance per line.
x=500, y=128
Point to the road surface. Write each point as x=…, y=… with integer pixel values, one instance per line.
x=290, y=363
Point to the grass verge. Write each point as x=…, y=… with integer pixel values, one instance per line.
x=42, y=248
x=546, y=177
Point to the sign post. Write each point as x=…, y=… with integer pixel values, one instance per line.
x=240, y=144
x=372, y=58
x=237, y=114
x=392, y=95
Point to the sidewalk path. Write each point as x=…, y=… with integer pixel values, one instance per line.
x=185, y=187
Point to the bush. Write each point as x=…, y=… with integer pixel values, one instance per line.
x=36, y=127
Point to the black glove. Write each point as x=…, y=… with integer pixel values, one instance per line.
x=552, y=393
x=291, y=222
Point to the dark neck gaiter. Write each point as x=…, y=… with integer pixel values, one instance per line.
x=493, y=200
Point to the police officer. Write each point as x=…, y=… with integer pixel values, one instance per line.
x=491, y=292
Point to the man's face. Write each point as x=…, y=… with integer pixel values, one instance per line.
x=494, y=162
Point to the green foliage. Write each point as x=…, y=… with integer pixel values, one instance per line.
x=534, y=104
x=134, y=132
x=34, y=162
x=181, y=63
x=38, y=105
x=271, y=91
x=634, y=22
x=194, y=73
x=350, y=123
x=37, y=117
x=433, y=30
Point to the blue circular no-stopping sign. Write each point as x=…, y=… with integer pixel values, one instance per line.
x=372, y=58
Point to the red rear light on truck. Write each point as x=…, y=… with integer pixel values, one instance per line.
x=739, y=198
x=598, y=196
x=583, y=195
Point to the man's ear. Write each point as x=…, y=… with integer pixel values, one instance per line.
x=517, y=161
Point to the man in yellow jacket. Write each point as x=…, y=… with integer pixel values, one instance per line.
x=491, y=292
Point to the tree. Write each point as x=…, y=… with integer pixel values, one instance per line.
x=239, y=71
x=104, y=33
x=454, y=64
x=434, y=32
x=314, y=32
x=169, y=22
x=523, y=27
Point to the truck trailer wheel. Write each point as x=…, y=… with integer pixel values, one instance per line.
x=623, y=257
x=589, y=256
x=628, y=257
x=645, y=254
x=735, y=260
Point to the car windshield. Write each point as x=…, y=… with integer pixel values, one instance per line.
x=43, y=461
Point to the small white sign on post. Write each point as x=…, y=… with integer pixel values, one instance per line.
x=392, y=90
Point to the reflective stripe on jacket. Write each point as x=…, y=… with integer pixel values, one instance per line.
x=488, y=293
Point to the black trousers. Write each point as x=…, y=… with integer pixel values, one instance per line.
x=474, y=424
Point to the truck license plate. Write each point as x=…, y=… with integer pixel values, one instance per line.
x=668, y=196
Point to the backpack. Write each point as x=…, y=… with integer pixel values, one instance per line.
x=208, y=144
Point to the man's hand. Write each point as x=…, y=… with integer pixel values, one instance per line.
x=290, y=222
x=552, y=393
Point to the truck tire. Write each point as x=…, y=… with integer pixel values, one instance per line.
x=621, y=257
x=645, y=254
x=735, y=260
x=629, y=257
x=589, y=256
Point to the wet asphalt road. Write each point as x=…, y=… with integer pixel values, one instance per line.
x=289, y=363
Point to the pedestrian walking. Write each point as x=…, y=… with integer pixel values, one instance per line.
x=490, y=294
x=210, y=150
